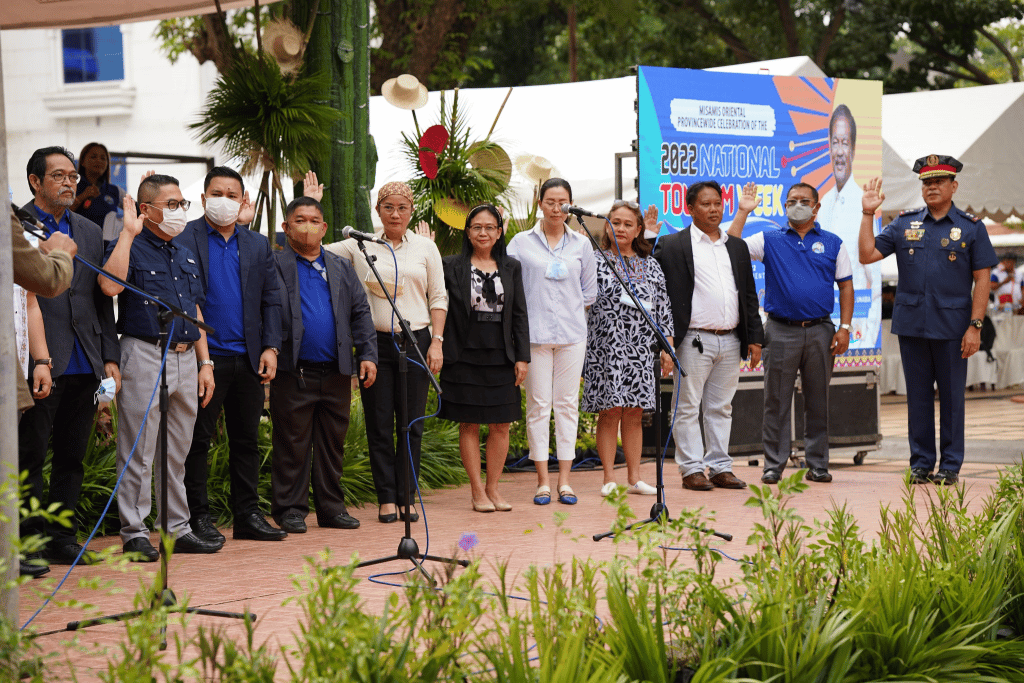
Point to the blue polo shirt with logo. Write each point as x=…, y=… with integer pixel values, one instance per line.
x=800, y=273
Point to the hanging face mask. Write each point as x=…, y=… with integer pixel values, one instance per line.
x=105, y=392
x=222, y=210
x=799, y=213
x=557, y=270
x=174, y=222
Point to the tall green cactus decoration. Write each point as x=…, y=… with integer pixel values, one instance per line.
x=339, y=45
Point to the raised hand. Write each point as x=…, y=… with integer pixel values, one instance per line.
x=311, y=187
x=423, y=230
x=651, y=222
x=246, y=210
x=132, y=220
x=873, y=195
x=749, y=199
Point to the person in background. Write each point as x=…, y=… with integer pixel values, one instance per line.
x=243, y=305
x=710, y=283
x=98, y=199
x=560, y=282
x=486, y=349
x=618, y=375
x=325, y=314
x=418, y=290
x=1006, y=283
x=941, y=252
x=145, y=256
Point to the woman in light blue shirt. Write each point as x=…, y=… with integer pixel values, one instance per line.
x=560, y=280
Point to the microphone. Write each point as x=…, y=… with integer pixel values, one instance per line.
x=577, y=211
x=349, y=231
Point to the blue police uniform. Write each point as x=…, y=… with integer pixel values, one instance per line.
x=932, y=311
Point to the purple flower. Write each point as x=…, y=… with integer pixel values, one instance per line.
x=468, y=541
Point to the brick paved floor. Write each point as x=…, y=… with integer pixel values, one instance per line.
x=259, y=576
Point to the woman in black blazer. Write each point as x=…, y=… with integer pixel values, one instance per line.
x=486, y=349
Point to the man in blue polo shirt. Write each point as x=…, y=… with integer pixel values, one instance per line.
x=801, y=263
x=144, y=256
x=326, y=314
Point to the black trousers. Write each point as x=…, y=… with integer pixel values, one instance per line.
x=310, y=411
x=68, y=413
x=380, y=405
x=238, y=391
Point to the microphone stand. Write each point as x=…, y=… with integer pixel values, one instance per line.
x=407, y=547
x=166, y=597
x=659, y=510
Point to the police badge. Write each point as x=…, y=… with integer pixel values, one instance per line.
x=954, y=234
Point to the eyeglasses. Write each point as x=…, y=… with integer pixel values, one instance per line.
x=60, y=176
x=483, y=228
x=173, y=204
x=391, y=208
x=622, y=202
x=801, y=202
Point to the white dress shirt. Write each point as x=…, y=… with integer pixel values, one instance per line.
x=715, y=297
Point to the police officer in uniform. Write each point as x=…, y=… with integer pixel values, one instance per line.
x=940, y=251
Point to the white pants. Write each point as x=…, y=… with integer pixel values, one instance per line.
x=554, y=382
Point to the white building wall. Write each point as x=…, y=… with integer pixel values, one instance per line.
x=147, y=112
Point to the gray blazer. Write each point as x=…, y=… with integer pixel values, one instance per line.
x=83, y=308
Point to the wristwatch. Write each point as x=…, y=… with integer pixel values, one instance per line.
x=976, y=323
x=438, y=338
x=48, y=362
x=276, y=350
x=205, y=362
x=845, y=326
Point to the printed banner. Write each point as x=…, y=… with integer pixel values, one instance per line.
x=775, y=131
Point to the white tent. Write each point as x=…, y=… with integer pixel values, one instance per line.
x=80, y=13
x=578, y=127
x=983, y=127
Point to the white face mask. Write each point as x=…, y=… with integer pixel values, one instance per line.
x=799, y=213
x=174, y=222
x=222, y=210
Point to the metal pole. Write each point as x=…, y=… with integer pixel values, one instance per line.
x=9, y=498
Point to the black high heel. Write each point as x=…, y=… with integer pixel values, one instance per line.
x=388, y=518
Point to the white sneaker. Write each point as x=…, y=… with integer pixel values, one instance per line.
x=643, y=489
x=608, y=489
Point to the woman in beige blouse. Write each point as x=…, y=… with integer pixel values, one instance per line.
x=423, y=301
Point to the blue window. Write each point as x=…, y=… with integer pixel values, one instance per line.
x=93, y=54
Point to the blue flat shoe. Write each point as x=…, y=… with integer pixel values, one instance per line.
x=566, y=496
x=543, y=495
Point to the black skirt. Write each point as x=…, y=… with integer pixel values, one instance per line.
x=480, y=388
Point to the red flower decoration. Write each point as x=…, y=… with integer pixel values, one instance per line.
x=431, y=144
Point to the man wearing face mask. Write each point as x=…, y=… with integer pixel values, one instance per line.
x=82, y=343
x=144, y=255
x=801, y=263
x=243, y=305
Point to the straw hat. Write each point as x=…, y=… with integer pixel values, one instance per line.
x=535, y=168
x=404, y=92
x=282, y=40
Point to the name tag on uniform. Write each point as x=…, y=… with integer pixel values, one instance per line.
x=913, y=234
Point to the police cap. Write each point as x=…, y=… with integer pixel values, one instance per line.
x=935, y=165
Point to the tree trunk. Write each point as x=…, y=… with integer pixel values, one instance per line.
x=339, y=46
x=414, y=35
x=573, y=74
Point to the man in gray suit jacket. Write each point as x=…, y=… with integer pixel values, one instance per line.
x=325, y=315
x=244, y=308
x=84, y=349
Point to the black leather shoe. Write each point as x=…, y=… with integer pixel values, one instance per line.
x=66, y=552
x=141, y=550
x=770, y=477
x=342, y=521
x=819, y=475
x=33, y=565
x=204, y=528
x=389, y=518
x=413, y=515
x=946, y=478
x=252, y=526
x=293, y=523
x=919, y=475
x=190, y=543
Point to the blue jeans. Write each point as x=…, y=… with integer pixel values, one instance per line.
x=711, y=379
